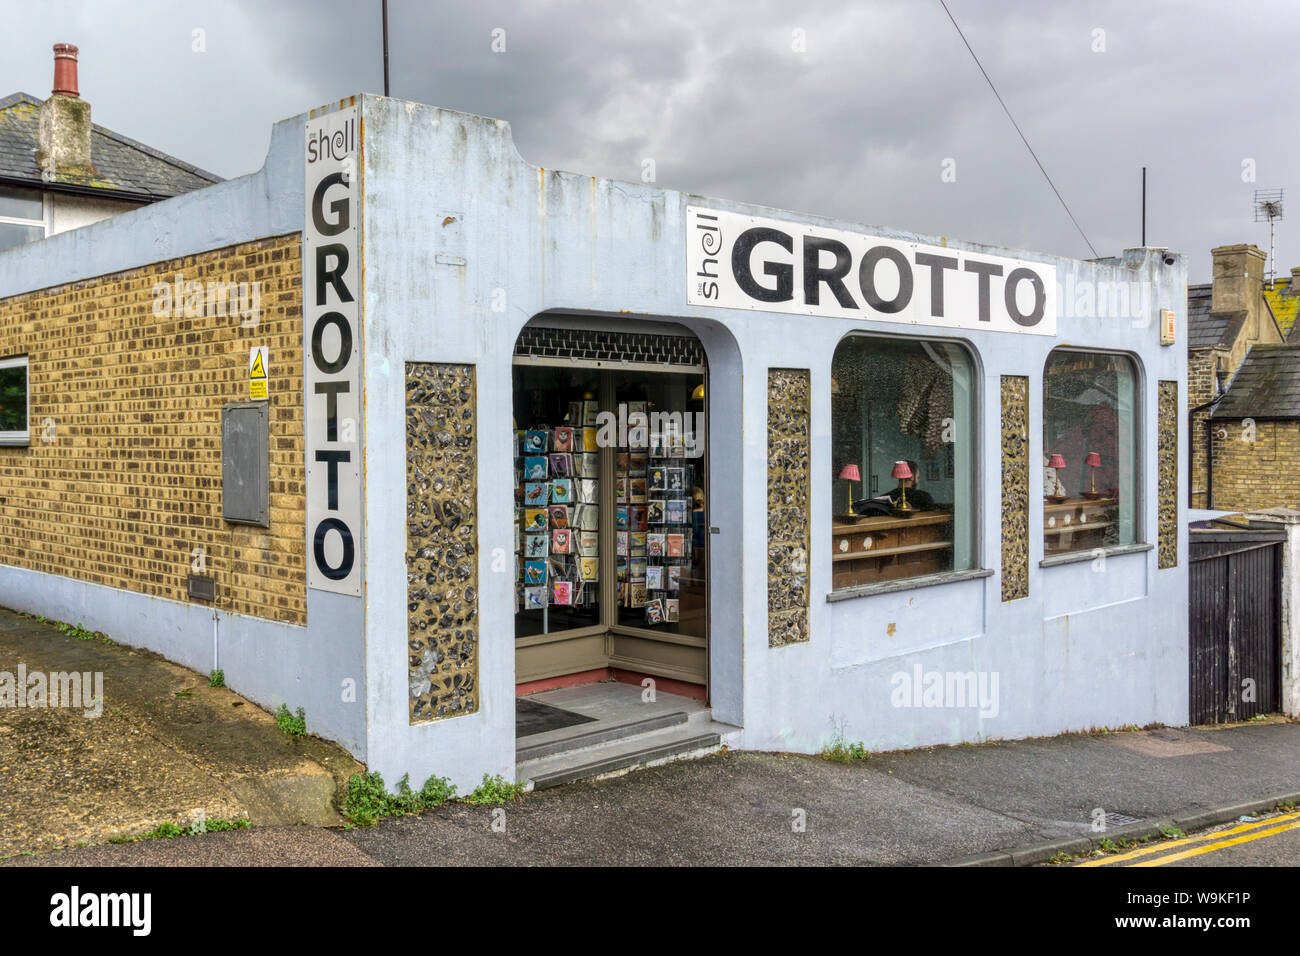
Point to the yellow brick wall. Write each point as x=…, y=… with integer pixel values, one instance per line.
x=1201, y=365
x=131, y=484
x=1253, y=471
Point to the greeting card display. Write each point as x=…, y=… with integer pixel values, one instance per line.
x=535, y=572
x=562, y=491
x=588, y=543
x=586, y=465
x=535, y=519
x=535, y=442
x=562, y=592
x=535, y=493
x=675, y=543
x=535, y=546
x=535, y=469
x=588, y=491
x=563, y=441
x=654, y=545
x=561, y=541
x=534, y=599
x=559, y=516
x=561, y=466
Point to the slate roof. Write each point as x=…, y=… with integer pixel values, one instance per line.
x=1285, y=305
x=1266, y=386
x=127, y=169
x=1206, y=329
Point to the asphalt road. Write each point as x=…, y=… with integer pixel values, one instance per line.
x=1268, y=840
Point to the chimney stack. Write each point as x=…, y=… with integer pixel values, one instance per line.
x=1239, y=284
x=1295, y=280
x=65, y=121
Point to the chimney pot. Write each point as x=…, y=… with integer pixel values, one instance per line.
x=65, y=70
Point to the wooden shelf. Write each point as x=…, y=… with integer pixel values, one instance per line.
x=887, y=552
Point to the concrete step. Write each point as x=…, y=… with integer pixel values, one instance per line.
x=639, y=750
x=590, y=738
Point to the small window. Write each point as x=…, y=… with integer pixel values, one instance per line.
x=13, y=401
x=22, y=218
x=1090, y=464
x=903, y=459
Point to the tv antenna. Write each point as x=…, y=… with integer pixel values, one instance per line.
x=1268, y=208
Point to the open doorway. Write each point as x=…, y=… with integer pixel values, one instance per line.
x=611, y=500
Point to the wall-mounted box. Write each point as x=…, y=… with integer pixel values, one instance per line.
x=245, y=451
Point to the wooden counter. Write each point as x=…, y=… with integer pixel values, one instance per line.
x=885, y=548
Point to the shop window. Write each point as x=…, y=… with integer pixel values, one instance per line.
x=13, y=401
x=1090, y=434
x=903, y=457
x=22, y=218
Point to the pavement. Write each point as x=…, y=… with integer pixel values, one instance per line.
x=927, y=806
x=158, y=745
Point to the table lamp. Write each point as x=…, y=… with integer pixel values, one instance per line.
x=902, y=472
x=850, y=473
x=1093, y=461
x=1057, y=462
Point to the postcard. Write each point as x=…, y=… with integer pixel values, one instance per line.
x=589, y=569
x=654, y=545
x=535, y=546
x=561, y=541
x=620, y=519
x=620, y=569
x=637, y=464
x=620, y=489
x=676, y=510
x=588, y=543
x=676, y=479
x=559, y=516
x=563, y=591
x=654, y=578
x=674, y=546
x=674, y=578
x=563, y=441
x=654, y=612
x=637, y=543
x=587, y=518
x=620, y=546
x=535, y=493
x=535, y=469
x=586, y=465
x=535, y=572
x=587, y=490
x=620, y=461
x=672, y=610
x=590, y=439
x=658, y=478
x=655, y=512
x=562, y=491
x=636, y=490
x=561, y=465
x=636, y=594
x=535, y=519
x=638, y=566
x=590, y=414
x=534, y=599
x=534, y=442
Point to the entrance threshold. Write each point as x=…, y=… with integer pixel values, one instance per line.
x=604, y=728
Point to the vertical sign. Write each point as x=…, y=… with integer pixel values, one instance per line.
x=331, y=293
x=257, y=379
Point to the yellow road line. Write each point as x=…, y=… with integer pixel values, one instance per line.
x=1197, y=851
x=1187, y=841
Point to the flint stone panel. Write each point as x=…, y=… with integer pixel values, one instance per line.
x=441, y=540
x=788, y=473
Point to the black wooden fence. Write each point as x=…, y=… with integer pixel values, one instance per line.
x=1235, y=624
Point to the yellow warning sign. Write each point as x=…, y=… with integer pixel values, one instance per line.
x=257, y=363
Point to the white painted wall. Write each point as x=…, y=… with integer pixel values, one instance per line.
x=453, y=214
x=66, y=212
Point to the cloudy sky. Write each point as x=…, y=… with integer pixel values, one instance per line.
x=846, y=108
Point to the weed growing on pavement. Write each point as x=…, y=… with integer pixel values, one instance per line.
x=288, y=723
x=183, y=693
x=1172, y=833
x=368, y=801
x=217, y=678
x=494, y=791
x=168, y=831
x=840, y=751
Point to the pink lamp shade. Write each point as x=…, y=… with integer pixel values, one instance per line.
x=850, y=473
x=1056, y=461
x=1093, y=460
x=901, y=470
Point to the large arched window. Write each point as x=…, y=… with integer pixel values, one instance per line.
x=1090, y=451
x=903, y=456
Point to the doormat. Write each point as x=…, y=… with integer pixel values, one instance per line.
x=534, y=717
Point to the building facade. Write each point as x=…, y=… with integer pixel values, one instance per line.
x=516, y=428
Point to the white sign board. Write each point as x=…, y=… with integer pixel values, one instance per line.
x=746, y=262
x=331, y=292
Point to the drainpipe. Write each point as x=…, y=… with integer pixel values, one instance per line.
x=216, y=663
x=1209, y=450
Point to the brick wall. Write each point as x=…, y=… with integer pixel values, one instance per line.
x=1201, y=364
x=1254, y=470
x=130, y=485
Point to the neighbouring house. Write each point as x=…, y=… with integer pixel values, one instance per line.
x=59, y=171
x=1243, y=392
